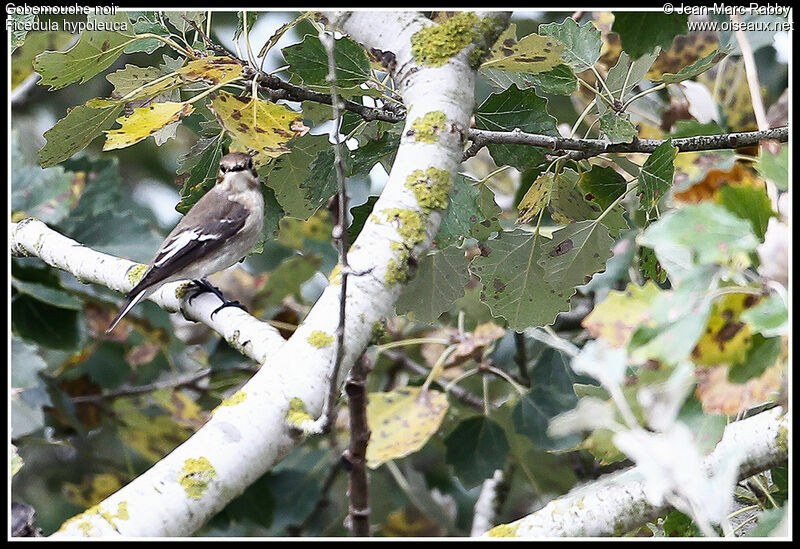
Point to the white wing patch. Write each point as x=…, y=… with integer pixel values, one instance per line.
x=179, y=242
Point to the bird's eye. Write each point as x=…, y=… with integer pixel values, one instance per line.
x=223, y=169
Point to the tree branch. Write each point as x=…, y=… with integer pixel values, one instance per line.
x=356, y=454
x=617, y=502
x=245, y=333
x=584, y=148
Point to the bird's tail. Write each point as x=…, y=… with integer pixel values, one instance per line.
x=129, y=304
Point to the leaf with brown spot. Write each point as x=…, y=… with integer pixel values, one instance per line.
x=402, y=421
x=241, y=116
x=531, y=54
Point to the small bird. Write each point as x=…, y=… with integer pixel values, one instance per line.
x=217, y=232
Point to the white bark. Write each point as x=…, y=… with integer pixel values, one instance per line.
x=248, y=436
x=31, y=237
x=617, y=503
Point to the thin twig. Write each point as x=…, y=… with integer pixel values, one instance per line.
x=752, y=74
x=190, y=381
x=584, y=148
x=340, y=228
x=355, y=457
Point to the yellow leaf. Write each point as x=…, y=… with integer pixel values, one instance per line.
x=144, y=122
x=617, y=317
x=531, y=54
x=536, y=198
x=256, y=124
x=726, y=339
x=685, y=50
x=402, y=421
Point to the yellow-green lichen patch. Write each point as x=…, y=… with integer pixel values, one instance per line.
x=434, y=46
x=782, y=440
x=195, y=476
x=136, y=273
x=335, y=277
x=84, y=519
x=397, y=270
x=320, y=339
x=504, y=531
x=411, y=225
x=297, y=413
x=431, y=188
x=181, y=290
x=234, y=399
x=426, y=128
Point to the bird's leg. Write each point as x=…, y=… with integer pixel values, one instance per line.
x=202, y=285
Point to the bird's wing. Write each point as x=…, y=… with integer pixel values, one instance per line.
x=206, y=228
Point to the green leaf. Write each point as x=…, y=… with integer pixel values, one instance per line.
x=131, y=78
x=360, y=215
x=44, y=324
x=143, y=25
x=178, y=19
x=54, y=296
x=21, y=59
x=602, y=184
x=372, y=152
x=763, y=354
x=655, y=177
x=476, y=448
x=289, y=175
x=25, y=364
x=775, y=167
x=515, y=108
x=94, y=53
x=704, y=233
x=309, y=61
x=560, y=80
x=569, y=203
x=490, y=213
x=625, y=75
x=551, y=394
x=576, y=252
x=769, y=318
x=676, y=321
x=617, y=127
x=768, y=522
x=530, y=54
x=75, y=131
x=46, y=194
x=581, y=44
x=244, y=23
x=694, y=70
x=706, y=428
x=199, y=168
x=287, y=279
x=17, y=23
x=440, y=280
x=533, y=413
x=750, y=203
x=513, y=282
x=640, y=32
x=471, y=212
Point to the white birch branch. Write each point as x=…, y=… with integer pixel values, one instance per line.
x=249, y=433
x=616, y=503
x=250, y=336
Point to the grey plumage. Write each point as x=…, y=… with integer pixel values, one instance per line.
x=217, y=232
